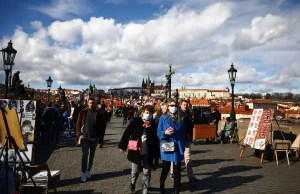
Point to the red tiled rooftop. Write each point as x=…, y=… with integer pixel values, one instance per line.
x=199, y=101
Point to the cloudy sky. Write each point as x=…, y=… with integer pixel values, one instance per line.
x=117, y=43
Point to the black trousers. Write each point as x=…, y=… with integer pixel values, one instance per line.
x=177, y=174
x=124, y=120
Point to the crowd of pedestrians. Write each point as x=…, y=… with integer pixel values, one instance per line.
x=160, y=131
x=54, y=118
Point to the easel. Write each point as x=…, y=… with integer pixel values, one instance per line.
x=262, y=154
x=10, y=142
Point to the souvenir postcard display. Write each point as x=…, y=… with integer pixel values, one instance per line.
x=253, y=127
x=259, y=128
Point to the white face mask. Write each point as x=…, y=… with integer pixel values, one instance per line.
x=147, y=117
x=172, y=109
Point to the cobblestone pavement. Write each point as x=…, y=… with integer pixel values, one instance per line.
x=217, y=166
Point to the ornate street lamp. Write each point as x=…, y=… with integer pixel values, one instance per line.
x=9, y=54
x=49, y=82
x=232, y=75
x=176, y=96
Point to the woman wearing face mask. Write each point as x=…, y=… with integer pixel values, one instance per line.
x=171, y=129
x=143, y=130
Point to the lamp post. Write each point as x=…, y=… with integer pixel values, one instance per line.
x=176, y=96
x=49, y=82
x=9, y=54
x=232, y=75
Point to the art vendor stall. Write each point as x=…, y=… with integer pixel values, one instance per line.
x=258, y=132
x=26, y=121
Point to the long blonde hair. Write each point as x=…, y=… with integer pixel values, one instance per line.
x=177, y=115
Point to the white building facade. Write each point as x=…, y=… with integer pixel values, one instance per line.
x=203, y=93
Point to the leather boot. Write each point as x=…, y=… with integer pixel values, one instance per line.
x=132, y=187
x=162, y=188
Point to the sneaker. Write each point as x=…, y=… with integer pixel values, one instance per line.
x=88, y=174
x=172, y=175
x=83, y=177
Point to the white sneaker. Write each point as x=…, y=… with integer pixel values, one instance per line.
x=83, y=178
x=88, y=174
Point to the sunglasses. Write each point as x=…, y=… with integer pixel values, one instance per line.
x=172, y=105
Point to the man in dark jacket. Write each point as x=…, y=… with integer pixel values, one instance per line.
x=90, y=125
x=48, y=120
x=101, y=140
x=125, y=114
x=57, y=123
x=188, y=127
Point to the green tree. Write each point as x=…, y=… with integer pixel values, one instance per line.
x=268, y=96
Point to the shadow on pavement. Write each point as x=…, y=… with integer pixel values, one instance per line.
x=218, y=183
x=95, y=177
x=123, y=127
x=209, y=161
x=77, y=192
x=199, y=151
x=42, y=154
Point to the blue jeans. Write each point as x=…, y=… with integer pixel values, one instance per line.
x=88, y=146
x=71, y=124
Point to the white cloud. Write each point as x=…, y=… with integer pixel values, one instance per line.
x=201, y=41
x=64, y=9
x=263, y=30
x=65, y=32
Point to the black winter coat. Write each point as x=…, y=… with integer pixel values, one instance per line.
x=188, y=123
x=135, y=131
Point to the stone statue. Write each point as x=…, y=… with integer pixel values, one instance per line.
x=17, y=86
x=15, y=80
x=63, y=95
x=20, y=90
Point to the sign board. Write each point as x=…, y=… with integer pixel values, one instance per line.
x=259, y=128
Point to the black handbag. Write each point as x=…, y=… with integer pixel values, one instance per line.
x=167, y=147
